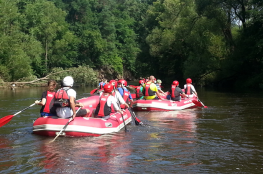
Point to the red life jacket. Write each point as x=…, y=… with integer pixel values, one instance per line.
x=62, y=94
x=125, y=98
x=188, y=89
x=148, y=91
x=175, y=93
x=49, y=102
x=103, y=109
x=139, y=94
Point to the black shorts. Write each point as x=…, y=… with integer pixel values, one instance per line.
x=81, y=112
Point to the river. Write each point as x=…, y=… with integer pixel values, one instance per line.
x=227, y=137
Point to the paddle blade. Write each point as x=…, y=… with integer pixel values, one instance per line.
x=197, y=103
x=137, y=121
x=93, y=91
x=205, y=107
x=5, y=120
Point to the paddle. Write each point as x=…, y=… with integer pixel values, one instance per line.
x=136, y=120
x=8, y=118
x=199, y=103
x=124, y=123
x=64, y=127
x=93, y=91
x=202, y=103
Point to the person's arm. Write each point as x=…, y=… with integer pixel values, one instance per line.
x=43, y=99
x=116, y=107
x=120, y=99
x=42, y=102
x=159, y=95
x=131, y=100
x=161, y=91
x=79, y=104
x=182, y=93
x=157, y=92
x=72, y=106
x=193, y=88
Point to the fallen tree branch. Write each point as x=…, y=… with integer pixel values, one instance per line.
x=33, y=81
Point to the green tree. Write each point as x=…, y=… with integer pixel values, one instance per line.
x=18, y=51
x=47, y=23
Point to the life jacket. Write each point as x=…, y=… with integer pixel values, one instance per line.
x=188, y=90
x=103, y=109
x=147, y=91
x=175, y=93
x=101, y=85
x=125, y=98
x=139, y=93
x=48, y=107
x=62, y=96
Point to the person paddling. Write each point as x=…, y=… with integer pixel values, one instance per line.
x=150, y=90
x=116, y=94
x=175, y=91
x=47, y=100
x=124, y=92
x=189, y=88
x=103, y=109
x=68, y=95
x=158, y=85
x=139, y=89
x=101, y=84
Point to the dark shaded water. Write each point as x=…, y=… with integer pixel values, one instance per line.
x=225, y=138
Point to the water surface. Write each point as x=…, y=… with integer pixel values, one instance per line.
x=224, y=138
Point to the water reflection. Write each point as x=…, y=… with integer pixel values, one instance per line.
x=89, y=154
x=5, y=144
x=170, y=141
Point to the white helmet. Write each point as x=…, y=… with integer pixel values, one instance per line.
x=68, y=81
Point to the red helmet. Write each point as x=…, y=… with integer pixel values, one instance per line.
x=176, y=83
x=115, y=83
x=122, y=81
x=141, y=82
x=108, y=88
x=188, y=80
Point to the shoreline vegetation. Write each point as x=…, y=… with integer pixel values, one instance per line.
x=82, y=75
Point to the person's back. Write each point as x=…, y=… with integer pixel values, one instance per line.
x=66, y=112
x=103, y=109
x=175, y=91
x=189, y=88
x=69, y=96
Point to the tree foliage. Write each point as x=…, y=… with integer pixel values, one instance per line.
x=213, y=42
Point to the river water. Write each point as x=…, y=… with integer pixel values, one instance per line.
x=227, y=137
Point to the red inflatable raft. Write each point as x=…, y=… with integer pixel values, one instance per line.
x=165, y=105
x=82, y=126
